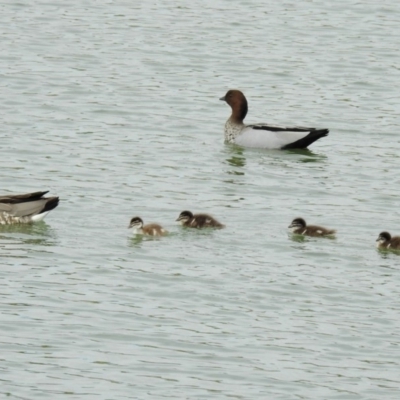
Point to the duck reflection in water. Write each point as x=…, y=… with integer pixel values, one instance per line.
x=39, y=234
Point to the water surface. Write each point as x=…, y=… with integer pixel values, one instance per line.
x=114, y=107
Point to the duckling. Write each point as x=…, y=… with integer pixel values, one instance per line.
x=300, y=227
x=149, y=230
x=386, y=241
x=186, y=218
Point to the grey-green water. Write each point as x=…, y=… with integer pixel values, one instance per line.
x=114, y=107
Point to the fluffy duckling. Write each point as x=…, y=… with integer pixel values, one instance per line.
x=149, y=230
x=386, y=241
x=300, y=227
x=25, y=208
x=264, y=135
x=186, y=218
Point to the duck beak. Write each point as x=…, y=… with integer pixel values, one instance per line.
x=290, y=226
x=222, y=98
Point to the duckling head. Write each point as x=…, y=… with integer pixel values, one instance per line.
x=297, y=223
x=136, y=223
x=184, y=217
x=384, y=237
x=237, y=101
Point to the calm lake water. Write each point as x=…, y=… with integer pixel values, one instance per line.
x=114, y=107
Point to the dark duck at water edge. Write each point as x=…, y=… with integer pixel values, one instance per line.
x=190, y=220
x=299, y=227
x=25, y=208
x=386, y=241
x=264, y=135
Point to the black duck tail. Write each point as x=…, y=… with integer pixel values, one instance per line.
x=304, y=142
x=51, y=204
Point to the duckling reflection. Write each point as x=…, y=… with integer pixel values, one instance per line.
x=39, y=234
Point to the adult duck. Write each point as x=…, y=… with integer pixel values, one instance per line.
x=25, y=208
x=263, y=135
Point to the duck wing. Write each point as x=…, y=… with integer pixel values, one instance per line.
x=21, y=198
x=279, y=137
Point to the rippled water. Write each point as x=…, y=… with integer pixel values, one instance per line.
x=114, y=107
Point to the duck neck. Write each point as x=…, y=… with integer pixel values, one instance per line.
x=232, y=129
x=239, y=111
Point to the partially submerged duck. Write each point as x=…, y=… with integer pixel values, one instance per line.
x=25, y=208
